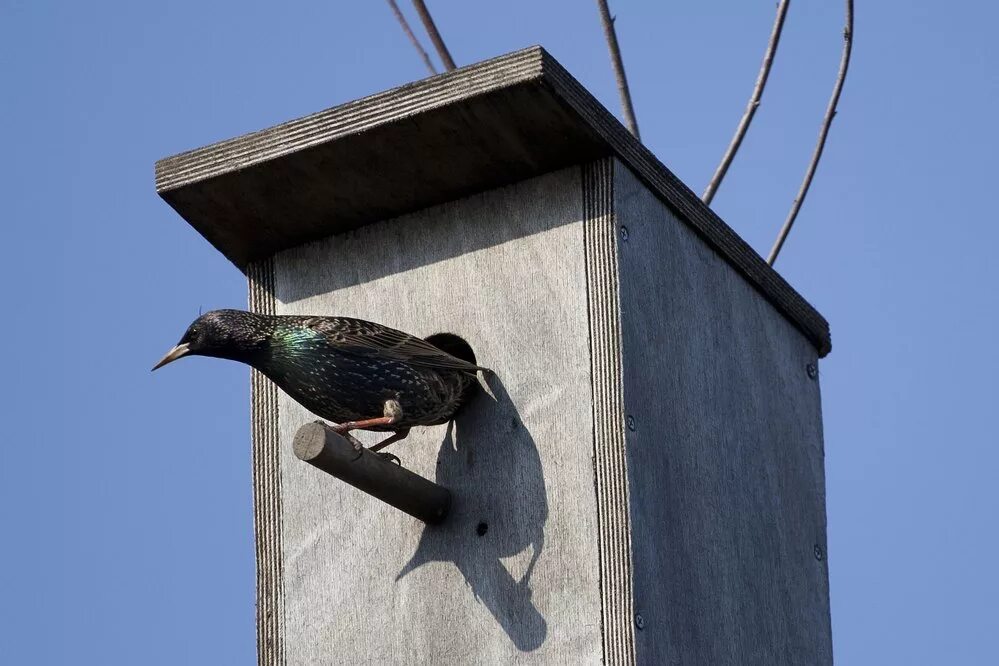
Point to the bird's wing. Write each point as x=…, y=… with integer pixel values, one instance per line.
x=365, y=338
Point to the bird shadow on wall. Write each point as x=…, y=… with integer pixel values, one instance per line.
x=491, y=464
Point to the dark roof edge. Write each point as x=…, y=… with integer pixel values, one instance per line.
x=351, y=118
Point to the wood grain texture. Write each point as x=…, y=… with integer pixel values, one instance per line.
x=469, y=130
x=611, y=479
x=725, y=462
x=513, y=574
x=267, y=504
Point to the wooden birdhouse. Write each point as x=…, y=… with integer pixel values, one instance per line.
x=645, y=484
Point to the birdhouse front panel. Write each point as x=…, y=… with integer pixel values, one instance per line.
x=514, y=571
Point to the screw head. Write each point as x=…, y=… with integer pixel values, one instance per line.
x=812, y=370
x=819, y=555
x=624, y=233
x=632, y=424
x=639, y=621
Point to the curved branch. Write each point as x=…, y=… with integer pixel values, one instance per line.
x=844, y=64
x=622, y=80
x=435, y=37
x=754, y=103
x=412, y=37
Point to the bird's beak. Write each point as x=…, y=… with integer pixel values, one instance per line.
x=180, y=350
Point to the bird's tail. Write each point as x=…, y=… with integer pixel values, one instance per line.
x=480, y=376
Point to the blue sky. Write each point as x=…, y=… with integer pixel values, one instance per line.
x=125, y=497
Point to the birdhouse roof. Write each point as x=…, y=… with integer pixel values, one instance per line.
x=471, y=129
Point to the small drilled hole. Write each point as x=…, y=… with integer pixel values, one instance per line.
x=481, y=529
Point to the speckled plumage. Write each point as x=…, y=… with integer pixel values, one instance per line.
x=338, y=368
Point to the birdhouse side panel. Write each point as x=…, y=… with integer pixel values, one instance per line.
x=513, y=573
x=725, y=454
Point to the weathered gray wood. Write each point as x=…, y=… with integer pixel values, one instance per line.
x=321, y=447
x=609, y=461
x=473, y=129
x=267, y=505
x=725, y=456
x=514, y=573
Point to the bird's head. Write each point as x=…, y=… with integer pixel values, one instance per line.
x=232, y=334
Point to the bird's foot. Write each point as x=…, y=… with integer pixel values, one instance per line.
x=345, y=433
x=389, y=457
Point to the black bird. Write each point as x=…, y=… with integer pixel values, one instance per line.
x=358, y=374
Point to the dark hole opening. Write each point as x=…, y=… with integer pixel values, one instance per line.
x=481, y=529
x=453, y=345
x=456, y=346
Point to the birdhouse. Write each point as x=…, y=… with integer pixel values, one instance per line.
x=643, y=481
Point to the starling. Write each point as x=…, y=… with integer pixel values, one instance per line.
x=358, y=374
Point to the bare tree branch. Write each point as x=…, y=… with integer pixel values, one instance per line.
x=844, y=64
x=754, y=103
x=412, y=37
x=435, y=37
x=622, y=80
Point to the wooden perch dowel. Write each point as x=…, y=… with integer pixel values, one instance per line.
x=321, y=447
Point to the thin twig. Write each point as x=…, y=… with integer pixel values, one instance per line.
x=844, y=64
x=622, y=80
x=412, y=37
x=435, y=37
x=754, y=103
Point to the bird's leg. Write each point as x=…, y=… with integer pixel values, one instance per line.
x=392, y=411
x=364, y=424
x=398, y=436
x=395, y=437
